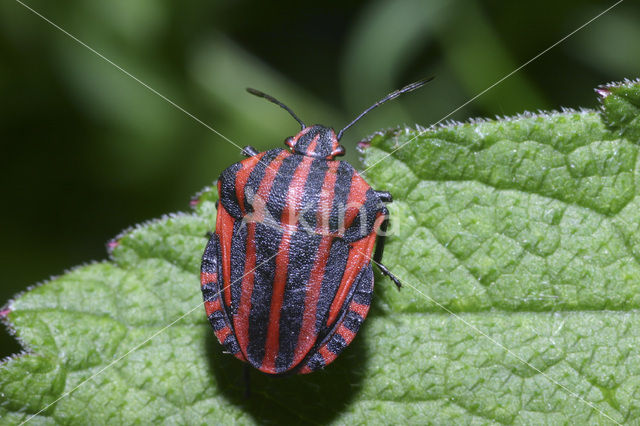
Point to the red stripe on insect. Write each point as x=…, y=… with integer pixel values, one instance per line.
x=327, y=354
x=378, y=223
x=302, y=132
x=326, y=199
x=359, y=256
x=307, y=336
x=289, y=217
x=211, y=307
x=346, y=334
x=305, y=370
x=241, y=319
x=293, y=208
x=261, y=197
x=208, y=278
x=311, y=149
x=243, y=176
x=224, y=230
x=359, y=309
x=222, y=334
x=357, y=194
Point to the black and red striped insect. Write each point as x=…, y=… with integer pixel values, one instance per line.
x=287, y=276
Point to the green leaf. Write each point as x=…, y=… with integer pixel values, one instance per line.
x=518, y=241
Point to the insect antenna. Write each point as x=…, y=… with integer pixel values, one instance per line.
x=277, y=102
x=392, y=95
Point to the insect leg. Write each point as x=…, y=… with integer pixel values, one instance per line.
x=249, y=151
x=384, y=196
x=377, y=256
x=387, y=272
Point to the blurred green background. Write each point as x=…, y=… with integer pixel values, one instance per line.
x=88, y=151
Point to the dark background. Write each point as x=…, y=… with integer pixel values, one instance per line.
x=88, y=151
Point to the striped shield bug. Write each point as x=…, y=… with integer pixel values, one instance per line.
x=287, y=276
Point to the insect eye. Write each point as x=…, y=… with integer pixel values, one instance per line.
x=289, y=142
x=338, y=152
